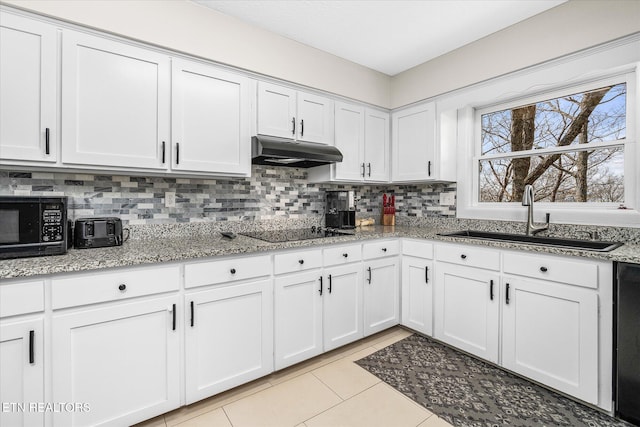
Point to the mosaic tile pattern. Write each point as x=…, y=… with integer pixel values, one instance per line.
x=270, y=193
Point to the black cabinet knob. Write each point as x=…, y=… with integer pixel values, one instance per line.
x=233, y=271
x=543, y=269
x=345, y=255
x=384, y=249
x=300, y=261
x=122, y=287
x=463, y=256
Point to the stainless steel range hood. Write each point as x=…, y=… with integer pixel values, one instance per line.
x=273, y=151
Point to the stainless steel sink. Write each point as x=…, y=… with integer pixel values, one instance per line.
x=586, y=245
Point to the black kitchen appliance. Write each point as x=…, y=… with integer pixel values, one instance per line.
x=627, y=342
x=97, y=232
x=294, y=235
x=340, y=210
x=32, y=226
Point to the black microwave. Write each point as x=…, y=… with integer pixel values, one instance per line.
x=33, y=226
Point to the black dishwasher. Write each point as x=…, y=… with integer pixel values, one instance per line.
x=627, y=342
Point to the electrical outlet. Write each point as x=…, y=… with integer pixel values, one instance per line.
x=169, y=200
x=447, y=199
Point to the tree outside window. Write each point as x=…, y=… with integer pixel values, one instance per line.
x=571, y=149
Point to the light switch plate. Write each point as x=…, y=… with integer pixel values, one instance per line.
x=169, y=200
x=447, y=199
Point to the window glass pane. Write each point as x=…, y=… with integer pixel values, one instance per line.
x=594, y=116
x=577, y=176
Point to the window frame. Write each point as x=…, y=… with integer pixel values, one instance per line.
x=546, y=83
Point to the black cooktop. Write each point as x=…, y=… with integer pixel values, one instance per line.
x=292, y=235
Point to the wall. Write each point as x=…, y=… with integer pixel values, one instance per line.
x=570, y=27
x=270, y=193
x=197, y=30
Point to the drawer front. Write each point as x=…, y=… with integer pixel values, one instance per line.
x=226, y=270
x=472, y=256
x=113, y=285
x=342, y=255
x=417, y=248
x=297, y=261
x=21, y=298
x=380, y=249
x=557, y=269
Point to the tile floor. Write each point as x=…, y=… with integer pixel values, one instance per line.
x=329, y=390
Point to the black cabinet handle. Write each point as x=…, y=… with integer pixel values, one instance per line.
x=426, y=274
x=192, y=314
x=173, y=314
x=302, y=127
x=320, y=285
x=369, y=166
x=384, y=249
x=329, y=283
x=345, y=255
x=369, y=279
x=463, y=256
x=232, y=271
x=429, y=168
x=46, y=141
x=293, y=124
x=491, y=290
x=507, y=295
x=363, y=170
x=543, y=269
x=32, y=353
x=177, y=153
x=300, y=261
x=122, y=287
x=163, y=156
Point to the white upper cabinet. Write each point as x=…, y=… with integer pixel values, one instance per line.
x=28, y=81
x=287, y=113
x=115, y=103
x=211, y=128
x=362, y=136
x=414, y=144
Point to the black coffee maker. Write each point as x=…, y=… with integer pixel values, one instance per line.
x=340, y=209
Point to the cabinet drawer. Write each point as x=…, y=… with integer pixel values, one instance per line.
x=557, y=269
x=473, y=256
x=417, y=248
x=226, y=270
x=21, y=298
x=380, y=249
x=113, y=285
x=342, y=255
x=297, y=261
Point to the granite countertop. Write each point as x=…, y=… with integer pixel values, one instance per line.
x=150, y=251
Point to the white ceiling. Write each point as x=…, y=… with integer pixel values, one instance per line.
x=388, y=36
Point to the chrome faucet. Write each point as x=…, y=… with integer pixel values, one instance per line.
x=527, y=200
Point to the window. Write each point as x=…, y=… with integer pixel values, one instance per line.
x=571, y=147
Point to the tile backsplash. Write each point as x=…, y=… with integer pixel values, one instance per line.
x=270, y=193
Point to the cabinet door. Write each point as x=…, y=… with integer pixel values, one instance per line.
x=376, y=146
x=115, y=103
x=276, y=110
x=550, y=334
x=28, y=85
x=413, y=143
x=381, y=295
x=229, y=337
x=315, y=118
x=122, y=361
x=298, y=317
x=349, y=139
x=417, y=294
x=211, y=130
x=467, y=309
x=342, y=305
x=21, y=370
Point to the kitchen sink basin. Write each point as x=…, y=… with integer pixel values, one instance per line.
x=586, y=245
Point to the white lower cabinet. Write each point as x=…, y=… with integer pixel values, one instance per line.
x=550, y=334
x=342, y=305
x=21, y=371
x=381, y=295
x=119, y=363
x=228, y=337
x=417, y=294
x=298, y=317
